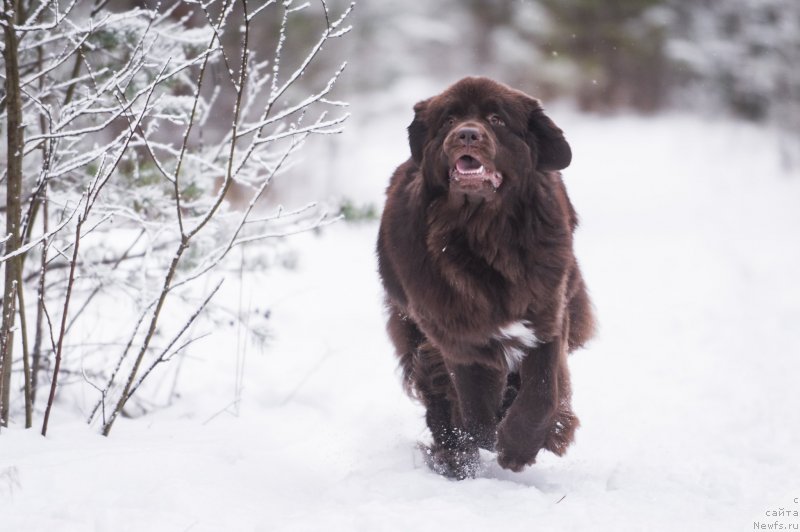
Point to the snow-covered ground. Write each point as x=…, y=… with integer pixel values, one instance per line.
x=688, y=398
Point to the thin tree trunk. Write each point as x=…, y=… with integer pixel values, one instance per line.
x=13, y=199
x=26, y=361
x=40, y=298
x=65, y=312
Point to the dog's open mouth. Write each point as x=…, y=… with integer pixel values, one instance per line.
x=469, y=172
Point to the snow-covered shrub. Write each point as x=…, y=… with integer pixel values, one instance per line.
x=136, y=126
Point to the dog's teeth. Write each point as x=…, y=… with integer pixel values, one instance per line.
x=477, y=171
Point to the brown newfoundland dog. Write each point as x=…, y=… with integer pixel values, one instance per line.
x=484, y=294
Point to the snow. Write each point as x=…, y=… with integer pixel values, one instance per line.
x=688, y=398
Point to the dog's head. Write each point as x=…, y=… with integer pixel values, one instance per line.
x=481, y=138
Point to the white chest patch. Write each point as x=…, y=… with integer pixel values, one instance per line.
x=515, y=337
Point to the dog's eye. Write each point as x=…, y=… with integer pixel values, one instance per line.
x=450, y=121
x=496, y=120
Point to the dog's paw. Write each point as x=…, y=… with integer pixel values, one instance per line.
x=457, y=464
x=563, y=432
x=515, y=458
x=516, y=449
x=513, y=462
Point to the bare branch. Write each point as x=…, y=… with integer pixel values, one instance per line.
x=165, y=354
x=320, y=222
x=260, y=9
x=327, y=34
x=319, y=97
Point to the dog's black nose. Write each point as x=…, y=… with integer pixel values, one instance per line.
x=469, y=135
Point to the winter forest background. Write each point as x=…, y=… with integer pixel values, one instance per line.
x=191, y=192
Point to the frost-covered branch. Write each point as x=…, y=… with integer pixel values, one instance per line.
x=38, y=240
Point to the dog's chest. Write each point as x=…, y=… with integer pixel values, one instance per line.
x=492, y=276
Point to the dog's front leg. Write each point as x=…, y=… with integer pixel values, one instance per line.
x=480, y=392
x=532, y=416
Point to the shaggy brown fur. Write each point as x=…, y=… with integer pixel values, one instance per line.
x=484, y=293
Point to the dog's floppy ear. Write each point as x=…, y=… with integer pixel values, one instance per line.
x=418, y=131
x=554, y=152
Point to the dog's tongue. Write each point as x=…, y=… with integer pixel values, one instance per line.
x=467, y=164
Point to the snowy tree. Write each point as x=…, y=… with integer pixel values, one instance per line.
x=742, y=56
x=126, y=134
